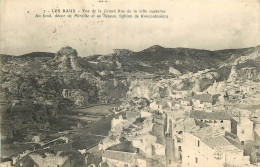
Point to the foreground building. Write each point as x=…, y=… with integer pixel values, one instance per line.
x=202, y=148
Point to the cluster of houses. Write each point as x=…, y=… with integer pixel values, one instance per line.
x=165, y=126
x=197, y=137
x=46, y=154
x=135, y=139
x=199, y=128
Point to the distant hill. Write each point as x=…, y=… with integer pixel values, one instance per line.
x=30, y=56
x=38, y=54
x=157, y=59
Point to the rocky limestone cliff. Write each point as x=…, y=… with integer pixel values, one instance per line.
x=140, y=89
x=216, y=88
x=68, y=58
x=233, y=74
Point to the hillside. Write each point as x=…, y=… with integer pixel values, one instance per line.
x=42, y=74
x=45, y=89
x=157, y=59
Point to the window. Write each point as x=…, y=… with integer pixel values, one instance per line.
x=243, y=131
x=179, y=148
x=221, y=121
x=198, y=143
x=179, y=140
x=170, y=161
x=242, y=142
x=196, y=160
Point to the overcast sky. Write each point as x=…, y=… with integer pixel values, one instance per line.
x=203, y=24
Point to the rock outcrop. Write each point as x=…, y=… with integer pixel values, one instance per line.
x=174, y=71
x=68, y=58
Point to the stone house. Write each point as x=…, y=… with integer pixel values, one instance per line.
x=144, y=143
x=50, y=160
x=243, y=128
x=123, y=159
x=201, y=148
x=148, y=145
x=178, y=94
x=218, y=120
x=202, y=102
x=39, y=137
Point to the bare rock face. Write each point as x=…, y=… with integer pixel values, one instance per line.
x=174, y=71
x=140, y=89
x=68, y=58
x=248, y=73
x=66, y=52
x=233, y=74
x=216, y=88
x=122, y=51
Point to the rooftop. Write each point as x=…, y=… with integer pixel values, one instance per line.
x=206, y=134
x=120, y=156
x=203, y=133
x=203, y=97
x=215, y=142
x=209, y=115
x=131, y=114
x=185, y=124
x=125, y=146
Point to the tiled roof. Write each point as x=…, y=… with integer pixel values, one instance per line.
x=206, y=134
x=131, y=114
x=203, y=133
x=209, y=115
x=203, y=97
x=184, y=124
x=124, y=146
x=120, y=156
x=215, y=142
